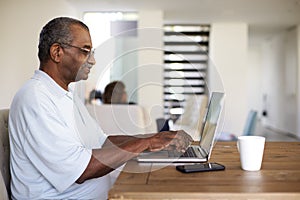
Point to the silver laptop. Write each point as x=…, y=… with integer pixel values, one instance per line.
x=194, y=153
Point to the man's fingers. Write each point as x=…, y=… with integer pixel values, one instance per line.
x=178, y=140
x=185, y=135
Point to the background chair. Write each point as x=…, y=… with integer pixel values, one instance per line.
x=4, y=156
x=162, y=124
x=249, y=128
x=116, y=119
x=250, y=124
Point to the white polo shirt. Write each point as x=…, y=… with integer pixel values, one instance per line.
x=51, y=140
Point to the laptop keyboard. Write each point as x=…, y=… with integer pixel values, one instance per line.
x=189, y=153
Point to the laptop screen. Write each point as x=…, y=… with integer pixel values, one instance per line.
x=211, y=120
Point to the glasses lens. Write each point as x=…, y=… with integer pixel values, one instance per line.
x=92, y=53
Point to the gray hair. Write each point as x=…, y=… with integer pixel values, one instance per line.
x=56, y=31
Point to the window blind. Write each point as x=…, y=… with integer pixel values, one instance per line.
x=185, y=65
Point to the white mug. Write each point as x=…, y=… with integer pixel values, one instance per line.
x=251, y=150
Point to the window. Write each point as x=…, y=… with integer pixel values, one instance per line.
x=185, y=61
x=113, y=34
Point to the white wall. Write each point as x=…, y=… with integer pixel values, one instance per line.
x=273, y=77
x=254, y=79
x=126, y=66
x=290, y=100
x=150, y=72
x=280, y=68
x=228, y=54
x=21, y=22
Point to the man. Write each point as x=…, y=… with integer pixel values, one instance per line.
x=57, y=150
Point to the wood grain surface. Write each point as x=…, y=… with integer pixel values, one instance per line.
x=279, y=177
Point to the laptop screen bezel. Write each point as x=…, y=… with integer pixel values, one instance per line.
x=214, y=96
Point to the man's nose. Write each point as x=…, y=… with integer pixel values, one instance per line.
x=91, y=59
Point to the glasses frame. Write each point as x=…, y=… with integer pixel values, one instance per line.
x=88, y=52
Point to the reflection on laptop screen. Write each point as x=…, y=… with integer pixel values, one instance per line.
x=211, y=121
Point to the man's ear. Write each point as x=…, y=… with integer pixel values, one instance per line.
x=56, y=52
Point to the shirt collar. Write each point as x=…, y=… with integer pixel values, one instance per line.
x=51, y=84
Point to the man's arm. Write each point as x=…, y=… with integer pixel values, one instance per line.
x=120, y=139
x=119, y=149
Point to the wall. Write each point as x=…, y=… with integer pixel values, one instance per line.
x=228, y=54
x=126, y=67
x=254, y=79
x=21, y=22
x=280, y=67
x=150, y=72
x=289, y=103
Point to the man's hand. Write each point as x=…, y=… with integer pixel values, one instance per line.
x=176, y=140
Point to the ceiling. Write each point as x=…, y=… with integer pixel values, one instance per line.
x=263, y=16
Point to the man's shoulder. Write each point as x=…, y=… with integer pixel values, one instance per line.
x=32, y=89
x=31, y=94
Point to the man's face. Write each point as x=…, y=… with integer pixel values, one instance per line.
x=78, y=59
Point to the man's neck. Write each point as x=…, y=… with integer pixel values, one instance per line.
x=56, y=77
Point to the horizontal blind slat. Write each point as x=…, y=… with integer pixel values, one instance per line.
x=186, y=61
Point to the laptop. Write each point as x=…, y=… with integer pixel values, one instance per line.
x=194, y=153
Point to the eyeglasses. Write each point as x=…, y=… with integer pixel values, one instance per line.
x=88, y=52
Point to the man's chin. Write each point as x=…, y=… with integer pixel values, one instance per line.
x=83, y=76
x=84, y=73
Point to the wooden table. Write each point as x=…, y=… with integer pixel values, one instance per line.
x=279, y=178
